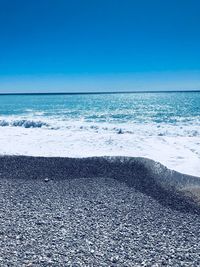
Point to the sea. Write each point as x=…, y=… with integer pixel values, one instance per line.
x=163, y=126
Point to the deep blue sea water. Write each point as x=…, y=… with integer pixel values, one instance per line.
x=162, y=126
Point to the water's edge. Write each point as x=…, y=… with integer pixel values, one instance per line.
x=179, y=191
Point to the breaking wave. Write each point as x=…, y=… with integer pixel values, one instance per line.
x=24, y=123
x=160, y=130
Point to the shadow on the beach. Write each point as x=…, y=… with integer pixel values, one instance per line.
x=140, y=173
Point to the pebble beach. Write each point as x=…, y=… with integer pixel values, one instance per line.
x=87, y=212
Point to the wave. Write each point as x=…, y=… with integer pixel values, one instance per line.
x=56, y=123
x=170, y=188
x=24, y=123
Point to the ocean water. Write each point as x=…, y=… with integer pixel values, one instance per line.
x=161, y=126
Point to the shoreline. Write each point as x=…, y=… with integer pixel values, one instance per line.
x=180, y=153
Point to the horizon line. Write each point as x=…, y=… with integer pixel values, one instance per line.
x=103, y=92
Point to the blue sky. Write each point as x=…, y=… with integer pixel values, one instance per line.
x=99, y=45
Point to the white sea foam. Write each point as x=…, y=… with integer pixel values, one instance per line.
x=176, y=146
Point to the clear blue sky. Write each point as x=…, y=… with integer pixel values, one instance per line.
x=61, y=45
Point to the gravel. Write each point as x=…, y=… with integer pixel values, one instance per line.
x=88, y=221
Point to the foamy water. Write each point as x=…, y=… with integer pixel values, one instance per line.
x=164, y=127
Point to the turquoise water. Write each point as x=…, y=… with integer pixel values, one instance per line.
x=158, y=108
